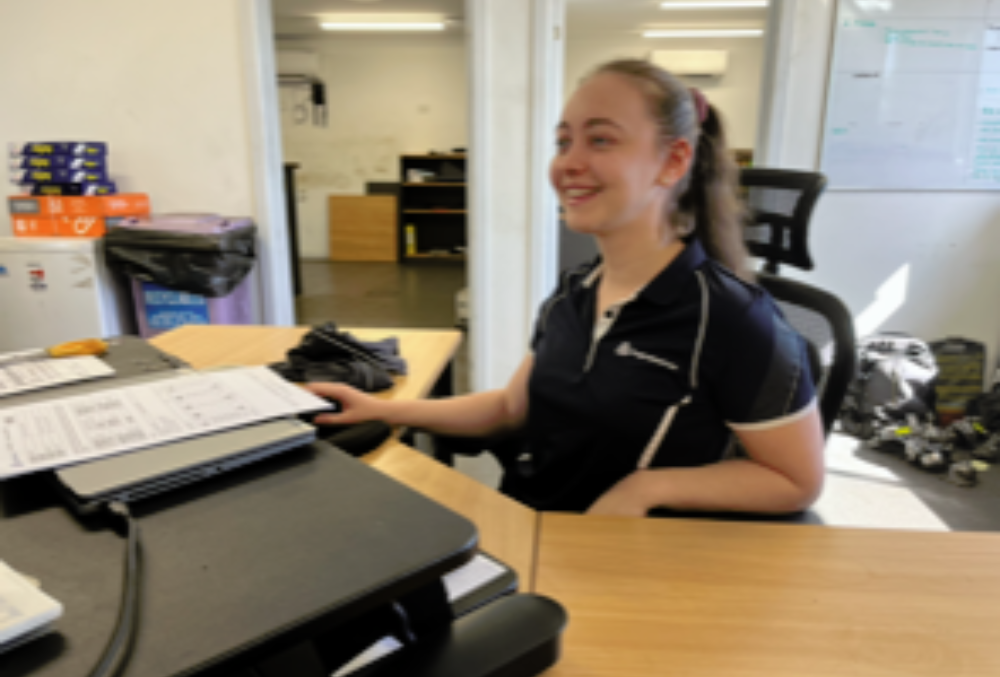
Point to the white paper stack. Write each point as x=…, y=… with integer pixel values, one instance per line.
x=23, y=372
x=81, y=428
x=25, y=611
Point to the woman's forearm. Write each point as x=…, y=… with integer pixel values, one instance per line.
x=738, y=485
x=476, y=415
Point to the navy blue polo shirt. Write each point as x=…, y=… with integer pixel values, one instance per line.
x=661, y=380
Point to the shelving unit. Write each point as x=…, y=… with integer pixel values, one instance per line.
x=432, y=212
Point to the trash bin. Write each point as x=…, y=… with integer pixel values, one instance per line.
x=185, y=268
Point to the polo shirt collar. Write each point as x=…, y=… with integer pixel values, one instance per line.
x=665, y=287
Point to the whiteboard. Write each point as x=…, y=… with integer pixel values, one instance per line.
x=913, y=97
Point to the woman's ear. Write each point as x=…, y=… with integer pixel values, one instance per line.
x=676, y=162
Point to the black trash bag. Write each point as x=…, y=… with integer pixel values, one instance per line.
x=208, y=265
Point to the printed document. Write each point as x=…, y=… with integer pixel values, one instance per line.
x=474, y=574
x=25, y=611
x=21, y=372
x=85, y=427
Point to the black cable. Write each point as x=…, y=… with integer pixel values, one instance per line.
x=119, y=648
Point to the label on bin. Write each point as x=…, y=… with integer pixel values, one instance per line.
x=166, y=308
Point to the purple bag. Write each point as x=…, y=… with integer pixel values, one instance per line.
x=202, y=254
x=185, y=268
x=195, y=224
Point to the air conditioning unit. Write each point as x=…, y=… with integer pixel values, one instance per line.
x=692, y=63
x=297, y=62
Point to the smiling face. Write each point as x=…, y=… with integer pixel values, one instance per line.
x=612, y=169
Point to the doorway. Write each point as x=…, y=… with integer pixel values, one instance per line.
x=374, y=127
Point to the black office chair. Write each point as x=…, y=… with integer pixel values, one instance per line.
x=823, y=320
x=780, y=203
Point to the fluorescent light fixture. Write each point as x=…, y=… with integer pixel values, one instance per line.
x=705, y=33
x=712, y=4
x=875, y=5
x=383, y=26
x=427, y=21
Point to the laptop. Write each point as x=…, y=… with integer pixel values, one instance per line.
x=141, y=474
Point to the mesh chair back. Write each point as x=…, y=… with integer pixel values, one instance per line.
x=825, y=323
x=780, y=203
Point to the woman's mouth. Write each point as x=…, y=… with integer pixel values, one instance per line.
x=577, y=196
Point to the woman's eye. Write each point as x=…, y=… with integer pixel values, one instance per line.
x=562, y=144
x=600, y=141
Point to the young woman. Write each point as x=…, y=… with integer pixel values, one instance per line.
x=645, y=362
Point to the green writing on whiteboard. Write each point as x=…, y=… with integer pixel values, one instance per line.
x=859, y=23
x=986, y=175
x=933, y=39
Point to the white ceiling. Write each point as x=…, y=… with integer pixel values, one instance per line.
x=630, y=17
x=583, y=17
x=298, y=17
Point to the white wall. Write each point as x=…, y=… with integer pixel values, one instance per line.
x=386, y=96
x=515, y=69
x=736, y=94
x=118, y=71
x=923, y=262
x=164, y=82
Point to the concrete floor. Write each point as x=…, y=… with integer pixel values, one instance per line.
x=864, y=488
x=379, y=294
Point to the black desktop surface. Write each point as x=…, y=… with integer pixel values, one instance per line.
x=236, y=568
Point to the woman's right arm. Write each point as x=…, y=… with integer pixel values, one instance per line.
x=476, y=415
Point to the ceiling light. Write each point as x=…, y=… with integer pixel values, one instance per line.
x=875, y=5
x=383, y=26
x=383, y=22
x=705, y=33
x=712, y=4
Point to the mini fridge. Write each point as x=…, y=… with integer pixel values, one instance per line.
x=58, y=289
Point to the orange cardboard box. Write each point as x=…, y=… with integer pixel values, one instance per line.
x=125, y=204
x=76, y=216
x=80, y=226
x=32, y=226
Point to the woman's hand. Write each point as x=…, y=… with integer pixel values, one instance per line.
x=625, y=499
x=355, y=406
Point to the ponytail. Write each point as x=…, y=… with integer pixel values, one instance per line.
x=710, y=209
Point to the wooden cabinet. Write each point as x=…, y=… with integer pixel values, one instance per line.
x=432, y=208
x=362, y=227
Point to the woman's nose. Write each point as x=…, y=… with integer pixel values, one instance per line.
x=572, y=159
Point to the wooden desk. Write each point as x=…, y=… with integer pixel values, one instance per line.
x=428, y=352
x=693, y=598
x=507, y=529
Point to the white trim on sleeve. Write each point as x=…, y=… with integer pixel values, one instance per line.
x=776, y=422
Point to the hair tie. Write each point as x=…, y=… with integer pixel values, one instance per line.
x=700, y=104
